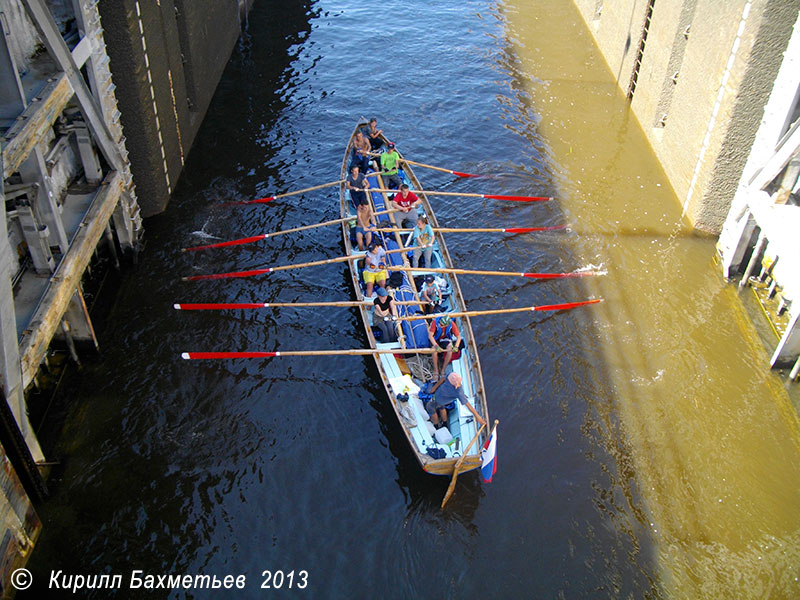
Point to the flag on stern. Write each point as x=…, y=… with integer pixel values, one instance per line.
x=489, y=457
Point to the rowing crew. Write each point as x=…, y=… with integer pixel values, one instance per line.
x=405, y=202
x=365, y=144
x=443, y=332
x=375, y=270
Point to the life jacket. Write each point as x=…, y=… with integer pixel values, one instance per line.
x=442, y=332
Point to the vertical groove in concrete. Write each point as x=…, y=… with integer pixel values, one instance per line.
x=775, y=27
x=700, y=96
x=682, y=32
x=715, y=110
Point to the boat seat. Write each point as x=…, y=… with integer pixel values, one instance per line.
x=388, y=346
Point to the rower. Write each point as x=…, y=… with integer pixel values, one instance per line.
x=360, y=156
x=431, y=295
x=358, y=185
x=365, y=225
x=374, y=135
x=444, y=335
x=385, y=315
x=406, y=203
x=375, y=268
x=422, y=235
x=389, y=162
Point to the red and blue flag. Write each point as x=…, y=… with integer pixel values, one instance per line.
x=489, y=457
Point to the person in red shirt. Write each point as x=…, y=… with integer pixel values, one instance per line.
x=406, y=202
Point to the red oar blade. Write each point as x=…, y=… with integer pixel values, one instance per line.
x=460, y=174
x=530, y=229
x=519, y=198
x=240, y=241
x=263, y=200
x=212, y=306
x=567, y=305
x=207, y=355
x=228, y=275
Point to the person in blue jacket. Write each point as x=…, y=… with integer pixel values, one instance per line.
x=445, y=391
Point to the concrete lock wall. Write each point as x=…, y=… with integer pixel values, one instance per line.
x=698, y=74
x=167, y=59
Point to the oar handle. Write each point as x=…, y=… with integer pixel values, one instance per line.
x=473, y=195
x=266, y=199
x=266, y=270
x=443, y=170
x=503, y=311
x=483, y=229
x=503, y=273
x=281, y=353
x=250, y=305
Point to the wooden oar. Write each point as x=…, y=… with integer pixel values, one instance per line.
x=500, y=311
x=483, y=229
x=303, y=191
x=419, y=164
x=246, y=305
x=471, y=195
x=353, y=352
x=264, y=271
x=499, y=273
x=451, y=488
x=456, y=173
x=263, y=236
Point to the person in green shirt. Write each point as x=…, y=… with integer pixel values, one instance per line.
x=389, y=161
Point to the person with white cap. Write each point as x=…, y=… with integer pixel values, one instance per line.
x=445, y=391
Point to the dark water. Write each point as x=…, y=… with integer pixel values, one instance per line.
x=237, y=467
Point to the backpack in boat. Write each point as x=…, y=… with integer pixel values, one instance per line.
x=395, y=280
x=436, y=453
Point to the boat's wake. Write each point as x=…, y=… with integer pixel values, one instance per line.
x=595, y=269
x=203, y=234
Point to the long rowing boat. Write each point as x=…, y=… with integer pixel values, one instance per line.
x=402, y=374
